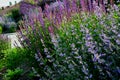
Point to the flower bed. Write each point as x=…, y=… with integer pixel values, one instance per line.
x=68, y=42
x=78, y=44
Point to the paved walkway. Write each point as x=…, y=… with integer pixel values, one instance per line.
x=12, y=37
x=5, y=3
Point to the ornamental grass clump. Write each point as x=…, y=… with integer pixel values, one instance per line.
x=71, y=44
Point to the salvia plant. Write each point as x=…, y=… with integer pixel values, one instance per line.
x=25, y=7
x=71, y=43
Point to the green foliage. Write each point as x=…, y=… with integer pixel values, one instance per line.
x=31, y=75
x=14, y=58
x=81, y=48
x=4, y=44
x=84, y=37
x=12, y=28
x=30, y=1
x=16, y=14
x=8, y=14
x=13, y=74
x=0, y=29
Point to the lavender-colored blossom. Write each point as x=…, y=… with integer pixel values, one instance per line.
x=118, y=42
x=97, y=9
x=25, y=7
x=82, y=2
x=118, y=35
x=48, y=56
x=74, y=6
x=62, y=54
x=90, y=5
x=41, y=20
x=82, y=51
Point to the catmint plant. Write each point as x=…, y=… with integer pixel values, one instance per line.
x=72, y=42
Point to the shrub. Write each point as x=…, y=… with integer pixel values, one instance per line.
x=72, y=45
x=17, y=58
x=12, y=27
x=8, y=14
x=8, y=23
x=86, y=48
x=4, y=44
x=16, y=14
x=13, y=74
x=13, y=58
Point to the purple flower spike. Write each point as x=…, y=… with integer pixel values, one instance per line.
x=41, y=20
x=83, y=6
x=90, y=5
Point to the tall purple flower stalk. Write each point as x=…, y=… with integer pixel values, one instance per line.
x=83, y=5
x=26, y=7
x=77, y=51
x=90, y=5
